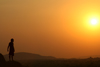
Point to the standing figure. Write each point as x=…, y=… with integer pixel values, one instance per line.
x=11, y=49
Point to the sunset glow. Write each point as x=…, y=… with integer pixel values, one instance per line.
x=59, y=28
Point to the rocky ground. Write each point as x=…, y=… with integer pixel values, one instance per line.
x=4, y=63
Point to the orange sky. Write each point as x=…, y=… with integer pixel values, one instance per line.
x=58, y=28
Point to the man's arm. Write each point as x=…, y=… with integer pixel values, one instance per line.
x=14, y=48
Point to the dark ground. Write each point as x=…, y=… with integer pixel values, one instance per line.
x=90, y=62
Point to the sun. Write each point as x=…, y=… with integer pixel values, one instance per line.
x=94, y=21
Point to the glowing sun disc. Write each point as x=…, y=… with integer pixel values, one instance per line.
x=94, y=21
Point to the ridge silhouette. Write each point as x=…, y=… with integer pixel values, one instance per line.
x=28, y=56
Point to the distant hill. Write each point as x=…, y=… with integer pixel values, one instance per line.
x=28, y=56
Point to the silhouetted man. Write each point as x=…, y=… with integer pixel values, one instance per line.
x=11, y=49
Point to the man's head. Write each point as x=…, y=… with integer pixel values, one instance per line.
x=12, y=40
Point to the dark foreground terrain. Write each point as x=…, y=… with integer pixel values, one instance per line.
x=89, y=62
x=4, y=63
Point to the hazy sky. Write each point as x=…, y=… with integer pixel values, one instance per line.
x=59, y=28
